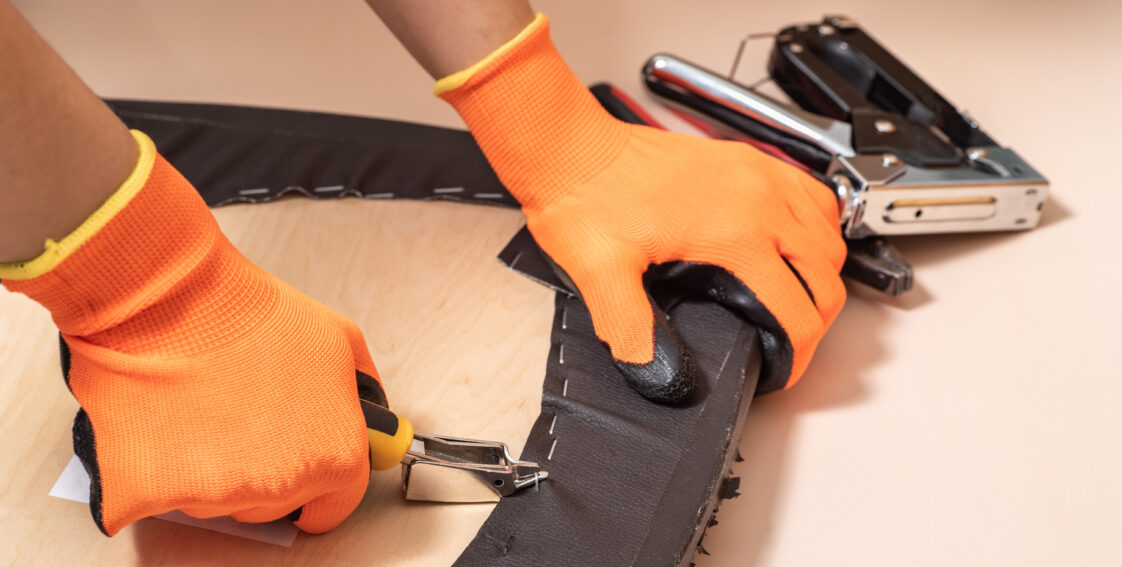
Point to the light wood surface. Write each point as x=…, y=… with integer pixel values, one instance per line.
x=973, y=423
x=460, y=341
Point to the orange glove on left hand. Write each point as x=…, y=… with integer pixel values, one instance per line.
x=606, y=200
x=206, y=385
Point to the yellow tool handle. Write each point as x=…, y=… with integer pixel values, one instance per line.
x=390, y=436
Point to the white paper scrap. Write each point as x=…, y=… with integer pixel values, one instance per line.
x=74, y=484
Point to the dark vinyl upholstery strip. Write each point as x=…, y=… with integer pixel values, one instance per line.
x=631, y=482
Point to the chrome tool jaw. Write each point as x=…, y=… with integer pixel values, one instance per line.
x=880, y=195
x=449, y=469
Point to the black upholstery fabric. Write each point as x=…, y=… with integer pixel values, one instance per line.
x=631, y=482
x=243, y=154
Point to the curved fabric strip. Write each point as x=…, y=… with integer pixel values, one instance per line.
x=241, y=154
x=631, y=482
x=635, y=483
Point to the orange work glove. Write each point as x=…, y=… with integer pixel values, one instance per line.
x=606, y=200
x=206, y=385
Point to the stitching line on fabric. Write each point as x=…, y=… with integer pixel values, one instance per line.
x=564, y=385
x=260, y=194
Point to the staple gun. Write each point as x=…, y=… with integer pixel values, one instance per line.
x=899, y=156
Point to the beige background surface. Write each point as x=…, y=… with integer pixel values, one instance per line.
x=975, y=422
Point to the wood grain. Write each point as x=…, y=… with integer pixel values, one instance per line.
x=460, y=342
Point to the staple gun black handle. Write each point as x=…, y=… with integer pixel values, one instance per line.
x=835, y=69
x=835, y=66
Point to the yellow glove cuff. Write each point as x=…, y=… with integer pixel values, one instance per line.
x=460, y=77
x=56, y=252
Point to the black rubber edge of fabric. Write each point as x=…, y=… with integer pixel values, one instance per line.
x=631, y=482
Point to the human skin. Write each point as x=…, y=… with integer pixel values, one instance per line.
x=446, y=36
x=62, y=151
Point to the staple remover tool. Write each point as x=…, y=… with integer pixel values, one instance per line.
x=900, y=158
x=445, y=469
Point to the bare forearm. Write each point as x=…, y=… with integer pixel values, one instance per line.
x=446, y=36
x=62, y=151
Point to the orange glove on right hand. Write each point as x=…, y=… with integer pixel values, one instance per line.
x=606, y=200
x=206, y=385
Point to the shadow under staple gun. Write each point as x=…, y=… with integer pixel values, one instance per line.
x=899, y=156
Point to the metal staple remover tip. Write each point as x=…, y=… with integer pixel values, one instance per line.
x=449, y=469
